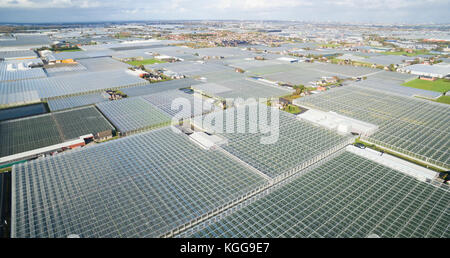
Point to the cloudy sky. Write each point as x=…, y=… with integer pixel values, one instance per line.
x=374, y=11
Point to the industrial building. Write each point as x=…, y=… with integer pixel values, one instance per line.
x=435, y=71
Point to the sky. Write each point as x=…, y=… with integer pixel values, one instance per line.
x=351, y=11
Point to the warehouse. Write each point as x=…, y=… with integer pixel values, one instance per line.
x=437, y=71
x=339, y=123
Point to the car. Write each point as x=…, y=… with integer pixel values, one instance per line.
x=360, y=145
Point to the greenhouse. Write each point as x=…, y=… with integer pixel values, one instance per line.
x=242, y=88
x=220, y=76
x=276, y=68
x=68, y=85
x=165, y=100
x=159, y=87
x=17, y=54
x=26, y=134
x=347, y=196
x=392, y=86
x=102, y=64
x=345, y=70
x=65, y=70
x=395, y=76
x=299, y=143
x=303, y=73
x=56, y=104
x=191, y=68
x=298, y=76
x=133, y=115
x=411, y=126
x=146, y=185
x=15, y=75
x=76, y=122
x=78, y=55
x=246, y=64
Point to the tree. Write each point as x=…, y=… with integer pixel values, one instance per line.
x=392, y=67
x=299, y=89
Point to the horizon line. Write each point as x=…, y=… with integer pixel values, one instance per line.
x=222, y=20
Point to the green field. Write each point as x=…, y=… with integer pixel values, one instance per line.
x=404, y=53
x=439, y=85
x=145, y=62
x=66, y=49
x=329, y=45
x=292, y=109
x=443, y=99
x=8, y=169
x=291, y=97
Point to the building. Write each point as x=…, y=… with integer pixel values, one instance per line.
x=288, y=59
x=438, y=70
x=104, y=135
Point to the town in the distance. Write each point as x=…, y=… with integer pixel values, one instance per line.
x=150, y=129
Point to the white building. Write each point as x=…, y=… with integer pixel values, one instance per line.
x=339, y=123
x=438, y=70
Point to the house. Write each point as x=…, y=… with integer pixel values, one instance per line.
x=288, y=59
x=427, y=78
x=276, y=104
x=104, y=135
x=284, y=101
x=166, y=58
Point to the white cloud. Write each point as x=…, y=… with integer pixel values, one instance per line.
x=317, y=10
x=246, y=5
x=384, y=4
x=30, y=4
x=259, y=4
